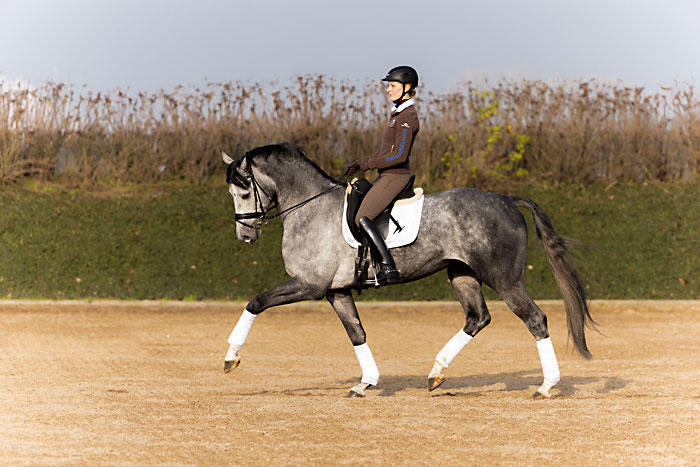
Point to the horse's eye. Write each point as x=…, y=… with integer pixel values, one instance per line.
x=245, y=196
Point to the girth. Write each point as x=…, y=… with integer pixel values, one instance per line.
x=359, y=189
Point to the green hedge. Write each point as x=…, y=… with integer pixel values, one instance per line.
x=642, y=241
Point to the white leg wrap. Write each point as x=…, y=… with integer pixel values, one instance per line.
x=453, y=347
x=550, y=367
x=436, y=371
x=370, y=372
x=241, y=330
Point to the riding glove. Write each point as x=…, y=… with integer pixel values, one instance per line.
x=351, y=168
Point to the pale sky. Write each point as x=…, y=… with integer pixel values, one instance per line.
x=151, y=44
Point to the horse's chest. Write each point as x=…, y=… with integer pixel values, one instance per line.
x=312, y=252
x=297, y=254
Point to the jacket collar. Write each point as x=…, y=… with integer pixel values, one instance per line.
x=403, y=106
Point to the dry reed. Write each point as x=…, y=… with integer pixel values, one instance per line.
x=572, y=131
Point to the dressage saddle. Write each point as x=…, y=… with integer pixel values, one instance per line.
x=358, y=189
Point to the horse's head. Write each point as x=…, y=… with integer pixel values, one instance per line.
x=251, y=200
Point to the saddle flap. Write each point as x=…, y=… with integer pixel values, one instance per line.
x=354, y=194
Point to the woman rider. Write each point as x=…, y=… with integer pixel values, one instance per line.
x=393, y=163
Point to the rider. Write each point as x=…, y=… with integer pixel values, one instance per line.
x=393, y=162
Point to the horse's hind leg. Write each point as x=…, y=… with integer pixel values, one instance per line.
x=536, y=321
x=344, y=305
x=470, y=295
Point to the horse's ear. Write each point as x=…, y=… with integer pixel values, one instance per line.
x=227, y=159
x=244, y=163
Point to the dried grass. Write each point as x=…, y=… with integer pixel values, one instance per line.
x=572, y=131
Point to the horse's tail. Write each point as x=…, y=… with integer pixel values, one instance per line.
x=556, y=250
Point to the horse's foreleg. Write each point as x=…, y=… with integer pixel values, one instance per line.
x=470, y=296
x=344, y=305
x=237, y=339
x=294, y=290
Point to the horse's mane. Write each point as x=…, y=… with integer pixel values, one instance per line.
x=289, y=151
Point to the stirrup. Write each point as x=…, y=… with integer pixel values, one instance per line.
x=387, y=274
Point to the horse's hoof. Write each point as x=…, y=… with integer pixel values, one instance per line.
x=434, y=383
x=231, y=364
x=358, y=390
x=542, y=393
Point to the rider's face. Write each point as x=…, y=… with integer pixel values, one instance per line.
x=394, y=89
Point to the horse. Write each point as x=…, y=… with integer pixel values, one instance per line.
x=478, y=236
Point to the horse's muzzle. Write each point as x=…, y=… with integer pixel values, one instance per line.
x=247, y=234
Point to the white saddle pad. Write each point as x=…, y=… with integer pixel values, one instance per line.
x=406, y=211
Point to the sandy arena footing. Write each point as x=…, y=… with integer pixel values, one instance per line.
x=115, y=382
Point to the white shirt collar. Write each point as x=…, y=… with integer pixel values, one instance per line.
x=403, y=105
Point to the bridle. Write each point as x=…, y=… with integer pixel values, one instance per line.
x=261, y=212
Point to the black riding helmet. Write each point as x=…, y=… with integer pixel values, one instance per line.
x=405, y=75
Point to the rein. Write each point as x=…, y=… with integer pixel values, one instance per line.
x=261, y=214
x=298, y=205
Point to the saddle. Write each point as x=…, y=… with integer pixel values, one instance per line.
x=357, y=191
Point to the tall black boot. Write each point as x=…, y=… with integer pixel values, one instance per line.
x=387, y=273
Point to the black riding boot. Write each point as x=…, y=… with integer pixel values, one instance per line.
x=387, y=273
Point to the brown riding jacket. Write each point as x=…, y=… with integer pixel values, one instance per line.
x=399, y=133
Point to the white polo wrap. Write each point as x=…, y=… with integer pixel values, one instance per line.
x=241, y=330
x=453, y=347
x=370, y=372
x=550, y=367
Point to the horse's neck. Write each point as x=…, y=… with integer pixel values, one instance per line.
x=298, y=186
x=327, y=206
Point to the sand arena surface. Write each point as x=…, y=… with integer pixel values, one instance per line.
x=109, y=383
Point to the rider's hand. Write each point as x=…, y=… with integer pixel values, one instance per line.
x=351, y=169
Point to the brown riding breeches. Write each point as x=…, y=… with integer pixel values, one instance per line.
x=383, y=191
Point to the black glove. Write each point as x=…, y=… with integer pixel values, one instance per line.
x=351, y=169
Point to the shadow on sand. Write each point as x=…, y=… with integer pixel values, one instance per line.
x=476, y=385
x=470, y=386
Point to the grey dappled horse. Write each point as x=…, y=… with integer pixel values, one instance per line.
x=479, y=237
